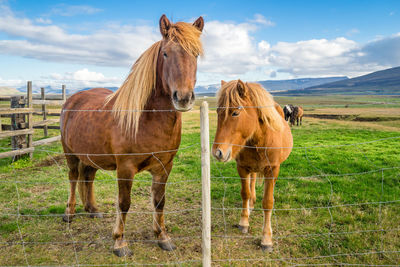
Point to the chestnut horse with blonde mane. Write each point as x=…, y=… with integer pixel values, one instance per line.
x=253, y=131
x=137, y=128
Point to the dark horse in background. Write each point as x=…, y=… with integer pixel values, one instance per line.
x=105, y=130
x=297, y=115
x=288, y=110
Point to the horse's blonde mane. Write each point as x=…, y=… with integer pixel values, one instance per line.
x=257, y=96
x=132, y=96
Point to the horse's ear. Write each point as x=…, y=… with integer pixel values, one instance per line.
x=241, y=88
x=165, y=25
x=223, y=82
x=199, y=23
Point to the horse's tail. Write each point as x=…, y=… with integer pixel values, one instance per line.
x=82, y=184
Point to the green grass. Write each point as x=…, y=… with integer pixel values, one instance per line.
x=305, y=230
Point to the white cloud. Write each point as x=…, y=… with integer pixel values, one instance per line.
x=382, y=51
x=229, y=48
x=11, y=83
x=315, y=57
x=258, y=18
x=112, y=46
x=82, y=78
x=79, y=79
x=43, y=21
x=231, y=51
x=73, y=10
x=352, y=32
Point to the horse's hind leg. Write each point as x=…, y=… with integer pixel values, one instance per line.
x=86, y=189
x=158, y=197
x=73, y=174
x=125, y=174
x=245, y=193
x=253, y=179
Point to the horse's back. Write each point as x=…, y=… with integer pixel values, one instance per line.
x=92, y=98
x=85, y=122
x=82, y=102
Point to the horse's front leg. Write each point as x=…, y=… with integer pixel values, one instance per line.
x=270, y=174
x=245, y=193
x=125, y=177
x=253, y=179
x=158, y=198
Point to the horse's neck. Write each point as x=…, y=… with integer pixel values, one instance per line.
x=260, y=137
x=159, y=100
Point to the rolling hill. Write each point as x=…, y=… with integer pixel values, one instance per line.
x=384, y=82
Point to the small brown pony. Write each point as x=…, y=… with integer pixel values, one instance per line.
x=105, y=130
x=252, y=130
x=297, y=115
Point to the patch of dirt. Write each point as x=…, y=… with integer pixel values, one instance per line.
x=49, y=161
x=39, y=189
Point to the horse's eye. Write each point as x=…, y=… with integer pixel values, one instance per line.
x=165, y=54
x=235, y=113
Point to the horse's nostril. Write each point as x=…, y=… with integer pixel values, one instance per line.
x=218, y=154
x=193, y=97
x=175, y=96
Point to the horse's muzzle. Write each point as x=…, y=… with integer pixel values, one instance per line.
x=221, y=156
x=183, y=102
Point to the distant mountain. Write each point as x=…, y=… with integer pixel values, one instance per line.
x=275, y=85
x=206, y=89
x=57, y=91
x=7, y=91
x=111, y=88
x=384, y=82
x=295, y=84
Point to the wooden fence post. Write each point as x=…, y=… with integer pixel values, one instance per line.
x=18, y=123
x=30, y=117
x=205, y=178
x=43, y=97
x=64, y=93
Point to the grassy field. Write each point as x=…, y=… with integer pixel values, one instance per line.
x=336, y=201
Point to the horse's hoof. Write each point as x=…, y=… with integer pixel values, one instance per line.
x=123, y=252
x=67, y=218
x=266, y=248
x=96, y=215
x=166, y=245
x=244, y=229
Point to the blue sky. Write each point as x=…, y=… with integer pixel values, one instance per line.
x=93, y=43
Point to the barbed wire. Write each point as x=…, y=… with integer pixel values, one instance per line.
x=311, y=258
x=323, y=175
x=226, y=235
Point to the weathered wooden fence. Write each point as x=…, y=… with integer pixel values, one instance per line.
x=22, y=126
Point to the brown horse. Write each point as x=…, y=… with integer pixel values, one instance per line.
x=252, y=130
x=124, y=130
x=297, y=115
